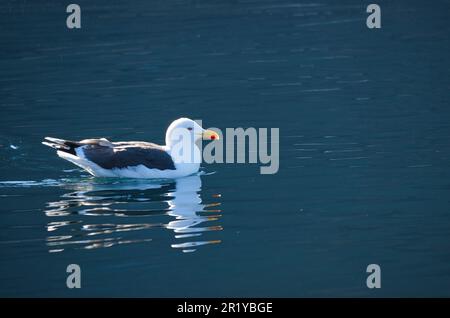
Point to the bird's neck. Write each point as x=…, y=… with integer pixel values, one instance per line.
x=184, y=150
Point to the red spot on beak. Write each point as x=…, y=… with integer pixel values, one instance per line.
x=213, y=137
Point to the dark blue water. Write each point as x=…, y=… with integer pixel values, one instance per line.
x=364, y=148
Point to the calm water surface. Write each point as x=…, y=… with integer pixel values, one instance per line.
x=364, y=148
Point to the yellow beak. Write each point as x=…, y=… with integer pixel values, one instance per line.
x=210, y=135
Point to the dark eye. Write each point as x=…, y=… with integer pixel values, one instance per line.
x=189, y=128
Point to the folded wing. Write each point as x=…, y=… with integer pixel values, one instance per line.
x=125, y=155
x=115, y=155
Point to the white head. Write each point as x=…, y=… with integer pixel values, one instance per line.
x=188, y=127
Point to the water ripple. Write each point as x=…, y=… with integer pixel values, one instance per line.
x=99, y=213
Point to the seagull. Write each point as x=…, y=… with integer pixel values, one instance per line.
x=179, y=157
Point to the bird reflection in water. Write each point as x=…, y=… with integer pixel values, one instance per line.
x=100, y=213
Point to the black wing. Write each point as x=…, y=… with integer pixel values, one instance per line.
x=128, y=155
